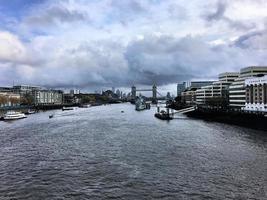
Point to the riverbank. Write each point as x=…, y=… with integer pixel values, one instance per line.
x=24, y=109
x=248, y=120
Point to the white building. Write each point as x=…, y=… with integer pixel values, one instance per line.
x=218, y=89
x=73, y=92
x=47, y=97
x=237, y=90
x=256, y=94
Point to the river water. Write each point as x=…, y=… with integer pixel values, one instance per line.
x=101, y=153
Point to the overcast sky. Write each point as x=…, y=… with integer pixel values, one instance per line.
x=90, y=44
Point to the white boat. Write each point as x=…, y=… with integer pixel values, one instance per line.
x=29, y=112
x=10, y=115
x=67, y=108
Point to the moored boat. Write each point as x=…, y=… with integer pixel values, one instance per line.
x=163, y=115
x=29, y=112
x=85, y=106
x=67, y=108
x=11, y=115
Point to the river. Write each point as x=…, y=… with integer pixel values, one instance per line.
x=102, y=153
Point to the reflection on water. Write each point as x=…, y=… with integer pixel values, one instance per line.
x=101, y=153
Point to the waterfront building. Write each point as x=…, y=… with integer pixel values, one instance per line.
x=256, y=94
x=199, y=84
x=73, y=92
x=218, y=89
x=47, y=97
x=25, y=89
x=237, y=90
x=181, y=88
x=6, y=89
x=189, y=96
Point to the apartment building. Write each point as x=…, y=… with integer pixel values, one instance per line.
x=237, y=90
x=256, y=94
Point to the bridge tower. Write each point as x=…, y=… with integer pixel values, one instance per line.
x=154, y=93
x=133, y=92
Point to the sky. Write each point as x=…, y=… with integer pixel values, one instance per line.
x=93, y=44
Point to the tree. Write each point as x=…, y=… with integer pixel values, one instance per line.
x=13, y=100
x=27, y=99
x=87, y=99
x=3, y=99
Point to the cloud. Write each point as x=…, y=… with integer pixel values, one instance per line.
x=11, y=48
x=220, y=15
x=219, y=12
x=90, y=44
x=54, y=15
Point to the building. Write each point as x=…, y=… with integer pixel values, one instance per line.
x=237, y=90
x=6, y=89
x=181, y=88
x=47, y=97
x=256, y=94
x=25, y=89
x=73, y=92
x=189, y=96
x=218, y=89
x=199, y=84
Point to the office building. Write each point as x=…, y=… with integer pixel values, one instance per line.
x=199, y=84
x=189, y=96
x=218, y=89
x=181, y=88
x=25, y=89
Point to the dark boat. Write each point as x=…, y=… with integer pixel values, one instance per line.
x=163, y=115
x=51, y=116
x=67, y=108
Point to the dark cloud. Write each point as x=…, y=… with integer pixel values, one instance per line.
x=242, y=41
x=219, y=13
x=56, y=14
x=164, y=59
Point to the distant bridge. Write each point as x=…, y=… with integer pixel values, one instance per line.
x=155, y=94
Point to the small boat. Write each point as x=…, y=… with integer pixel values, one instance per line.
x=67, y=108
x=122, y=111
x=51, y=116
x=85, y=106
x=11, y=115
x=29, y=112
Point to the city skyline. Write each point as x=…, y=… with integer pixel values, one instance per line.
x=100, y=44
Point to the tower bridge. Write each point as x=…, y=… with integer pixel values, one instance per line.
x=154, y=91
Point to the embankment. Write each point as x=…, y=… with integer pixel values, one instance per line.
x=230, y=117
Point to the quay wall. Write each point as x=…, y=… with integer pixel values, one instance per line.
x=249, y=120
